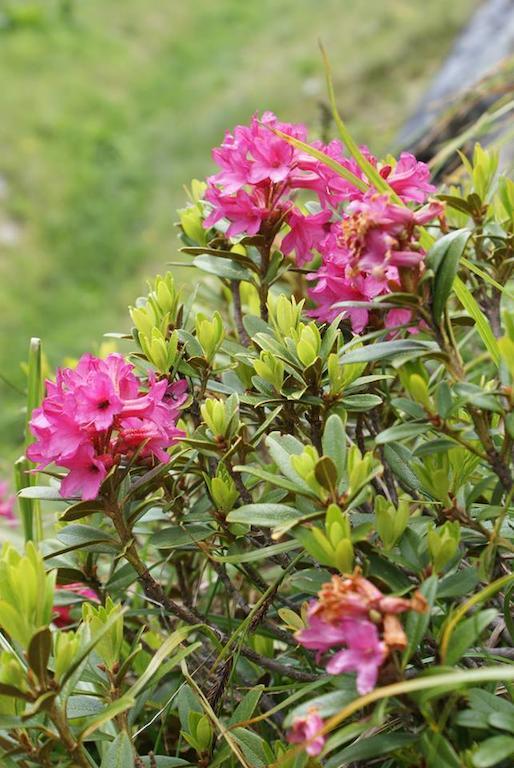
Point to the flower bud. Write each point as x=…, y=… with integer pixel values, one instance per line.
x=209, y=334
x=96, y=617
x=309, y=344
x=271, y=369
x=443, y=543
x=284, y=315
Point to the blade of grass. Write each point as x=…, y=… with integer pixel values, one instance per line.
x=30, y=509
x=371, y=172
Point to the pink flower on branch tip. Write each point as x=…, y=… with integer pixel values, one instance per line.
x=306, y=234
x=97, y=414
x=307, y=730
x=351, y=612
x=7, y=504
x=374, y=251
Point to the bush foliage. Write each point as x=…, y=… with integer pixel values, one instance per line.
x=279, y=530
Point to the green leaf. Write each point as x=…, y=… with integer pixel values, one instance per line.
x=326, y=473
x=162, y=761
x=417, y=623
x=507, y=613
x=401, y=432
x=383, y=350
x=82, y=509
x=119, y=754
x=246, y=706
x=257, y=554
x=90, y=646
x=446, y=272
x=334, y=443
x=399, y=459
x=281, y=448
x=44, y=492
x=458, y=584
x=222, y=268
x=440, y=248
x=273, y=479
x=177, y=536
x=158, y=658
x=375, y=746
x=108, y=713
x=503, y=720
x=493, y=751
x=83, y=706
x=266, y=515
x=467, y=633
x=482, y=325
x=359, y=403
x=38, y=653
x=80, y=536
x=327, y=704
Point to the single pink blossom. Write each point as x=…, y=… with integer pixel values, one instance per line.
x=319, y=635
x=307, y=729
x=365, y=654
x=7, y=504
x=305, y=235
x=97, y=402
x=87, y=472
x=244, y=211
x=409, y=178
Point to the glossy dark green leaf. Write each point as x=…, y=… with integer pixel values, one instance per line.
x=401, y=432
x=399, y=460
x=38, y=653
x=446, y=269
x=266, y=515
x=493, y=751
x=467, y=632
x=176, y=536
x=325, y=471
x=375, y=746
x=383, y=350
x=416, y=624
x=230, y=270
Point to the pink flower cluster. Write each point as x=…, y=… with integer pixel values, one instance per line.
x=306, y=729
x=97, y=413
x=352, y=612
x=373, y=250
x=7, y=502
x=366, y=243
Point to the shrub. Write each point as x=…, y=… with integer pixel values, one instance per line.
x=286, y=512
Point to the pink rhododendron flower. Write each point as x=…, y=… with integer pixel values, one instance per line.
x=307, y=729
x=7, y=504
x=366, y=241
x=305, y=235
x=98, y=413
x=364, y=654
x=351, y=612
x=376, y=243
x=63, y=618
x=409, y=178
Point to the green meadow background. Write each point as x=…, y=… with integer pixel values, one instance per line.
x=109, y=107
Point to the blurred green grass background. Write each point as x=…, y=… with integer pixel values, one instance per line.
x=109, y=108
